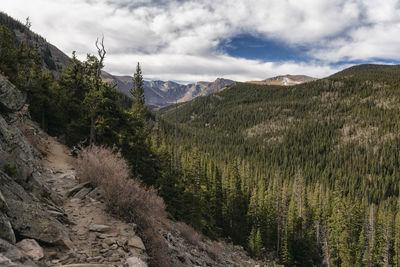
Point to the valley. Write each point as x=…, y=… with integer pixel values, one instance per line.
x=98, y=169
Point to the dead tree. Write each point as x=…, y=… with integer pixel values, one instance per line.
x=102, y=53
x=97, y=82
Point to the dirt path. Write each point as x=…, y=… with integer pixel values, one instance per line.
x=97, y=237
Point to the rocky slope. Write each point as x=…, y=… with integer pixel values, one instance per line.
x=161, y=93
x=53, y=58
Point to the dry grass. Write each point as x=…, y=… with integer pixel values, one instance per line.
x=189, y=234
x=126, y=197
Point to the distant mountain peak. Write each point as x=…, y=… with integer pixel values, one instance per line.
x=287, y=79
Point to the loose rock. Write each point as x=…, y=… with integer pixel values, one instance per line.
x=134, y=262
x=136, y=242
x=31, y=248
x=99, y=228
x=6, y=231
x=12, y=256
x=82, y=193
x=77, y=188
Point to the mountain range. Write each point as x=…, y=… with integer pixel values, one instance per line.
x=163, y=93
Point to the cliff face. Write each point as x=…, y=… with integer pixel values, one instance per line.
x=24, y=198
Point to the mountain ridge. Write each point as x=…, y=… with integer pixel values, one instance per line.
x=332, y=143
x=285, y=80
x=163, y=93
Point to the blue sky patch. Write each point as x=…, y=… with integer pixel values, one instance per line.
x=252, y=47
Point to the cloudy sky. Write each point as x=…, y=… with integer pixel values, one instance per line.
x=188, y=40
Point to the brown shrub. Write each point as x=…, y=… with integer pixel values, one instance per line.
x=99, y=165
x=189, y=234
x=126, y=197
x=157, y=249
x=215, y=250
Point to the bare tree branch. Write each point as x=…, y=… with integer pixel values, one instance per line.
x=102, y=53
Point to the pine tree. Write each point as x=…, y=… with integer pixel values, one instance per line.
x=219, y=200
x=138, y=87
x=255, y=242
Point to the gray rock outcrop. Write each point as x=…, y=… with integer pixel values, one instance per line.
x=6, y=231
x=11, y=99
x=24, y=196
x=32, y=221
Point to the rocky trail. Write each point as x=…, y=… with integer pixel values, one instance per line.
x=96, y=237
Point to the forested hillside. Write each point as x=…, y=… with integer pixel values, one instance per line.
x=309, y=173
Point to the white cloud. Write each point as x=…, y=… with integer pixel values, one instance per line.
x=197, y=68
x=178, y=40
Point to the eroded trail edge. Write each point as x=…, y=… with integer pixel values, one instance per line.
x=97, y=237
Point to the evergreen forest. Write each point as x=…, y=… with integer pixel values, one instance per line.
x=308, y=174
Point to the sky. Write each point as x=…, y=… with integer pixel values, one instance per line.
x=242, y=40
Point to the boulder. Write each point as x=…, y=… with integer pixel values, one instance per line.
x=10, y=255
x=136, y=242
x=134, y=262
x=32, y=221
x=11, y=99
x=31, y=248
x=23, y=155
x=6, y=231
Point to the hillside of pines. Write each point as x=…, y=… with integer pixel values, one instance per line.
x=308, y=173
